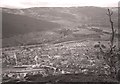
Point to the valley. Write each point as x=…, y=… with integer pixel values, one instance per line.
x=48, y=44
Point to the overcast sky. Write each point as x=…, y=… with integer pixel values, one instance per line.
x=56, y=3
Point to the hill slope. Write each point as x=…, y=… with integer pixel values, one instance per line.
x=17, y=24
x=83, y=22
x=68, y=15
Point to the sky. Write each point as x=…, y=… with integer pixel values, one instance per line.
x=57, y=3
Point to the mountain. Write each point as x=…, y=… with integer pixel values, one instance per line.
x=69, y=15
x=47, y=24
x=13, y=24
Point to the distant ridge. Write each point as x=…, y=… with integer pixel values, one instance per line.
x=81, y=15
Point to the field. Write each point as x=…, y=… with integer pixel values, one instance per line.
x=72, y=57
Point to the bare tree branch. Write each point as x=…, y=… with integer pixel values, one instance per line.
x=109, y=13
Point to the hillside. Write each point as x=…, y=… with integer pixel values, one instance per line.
x=69, y=15
x=13, y=25
x=30, y=26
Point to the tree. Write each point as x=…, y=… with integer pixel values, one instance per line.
x=111, y=55
x=65, y=32
x=109, y=13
